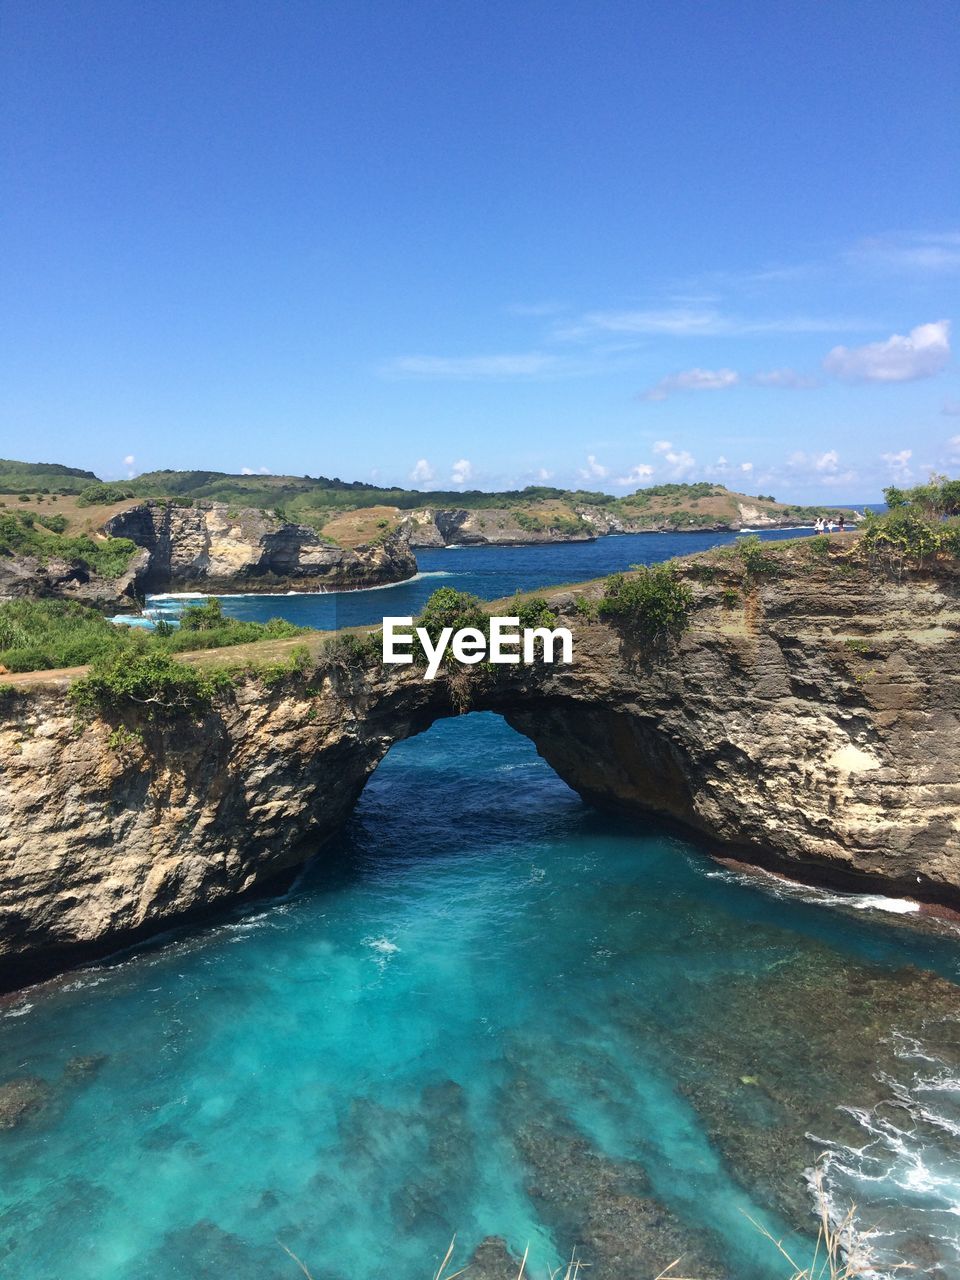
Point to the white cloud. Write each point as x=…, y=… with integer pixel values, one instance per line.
x=898, y=463
x=746, y=467
x=681, y=462
x=953, y=446
x=821, y=468
x=594, y=470
x=922, y=353
x=684, y=322
x=128, y=460
x=787, y=379
x=251, y=471
x=828, y=462
x=422, y=472
x=470, y=368
x=693, y=380
x=544, y=474
x=636, y=475
x=461, y=472
x=927, y=253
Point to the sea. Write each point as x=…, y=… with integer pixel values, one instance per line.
x=489, y=1010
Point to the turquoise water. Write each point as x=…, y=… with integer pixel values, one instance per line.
x=487, y=1009
x=473, y=1010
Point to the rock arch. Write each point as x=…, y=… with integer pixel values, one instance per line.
x=812, y=730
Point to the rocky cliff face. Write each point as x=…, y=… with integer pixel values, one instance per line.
x=28, y=576
x=214, y=548
x=490, y=526
x=809, y=721
x=430, y=527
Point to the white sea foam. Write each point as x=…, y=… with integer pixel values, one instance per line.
x=784, y=888
x=282, y=595
x=907, y=1172
x=382, y=945
x=18, y=1011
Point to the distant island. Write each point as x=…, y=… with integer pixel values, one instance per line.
x=64, y=531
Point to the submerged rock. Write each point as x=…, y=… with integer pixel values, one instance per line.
x=86, y=1064
x=492, y=1260
x=21, y=1099
x=598, y=1206
x=820, y=1073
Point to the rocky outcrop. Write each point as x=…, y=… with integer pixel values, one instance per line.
x=70, y=579
x=212, y=547
x=810, y=721
x=490, y=526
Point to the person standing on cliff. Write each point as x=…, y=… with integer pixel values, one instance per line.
x=840, y=524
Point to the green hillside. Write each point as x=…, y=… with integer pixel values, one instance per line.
x=42, y=477
x=85, y=502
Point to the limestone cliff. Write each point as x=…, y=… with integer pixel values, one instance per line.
x=809, y=720
x=491, y=526
x=502, y=526
x=212, y=547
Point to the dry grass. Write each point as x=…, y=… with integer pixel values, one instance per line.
x=80, y=520
x=366, y=524
x=842, y=1252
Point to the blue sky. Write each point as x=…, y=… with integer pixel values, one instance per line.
x=485, y=243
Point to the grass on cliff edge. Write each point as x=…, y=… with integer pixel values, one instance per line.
x=38, y=635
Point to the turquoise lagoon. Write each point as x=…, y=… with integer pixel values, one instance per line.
x=487, y=1009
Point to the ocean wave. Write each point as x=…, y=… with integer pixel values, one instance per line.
x=905, y=1177
x=781, y=887
x=18, y=1011
x=282, y=595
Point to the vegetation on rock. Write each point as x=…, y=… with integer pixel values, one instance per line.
x=652, y=599
x=150, y=682
x=40, y=635
x=921, y=524
x=24, y=534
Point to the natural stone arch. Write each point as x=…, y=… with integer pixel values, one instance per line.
x=762, y=729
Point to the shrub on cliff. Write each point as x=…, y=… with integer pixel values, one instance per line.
x=450, y=608
x=150, y=682
x=533, y=612
x=652, y=600
x=938, y=497
x=348, y=650
x=19, y=536
x=95, y=494
x=919, y=526
x=758, y=559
